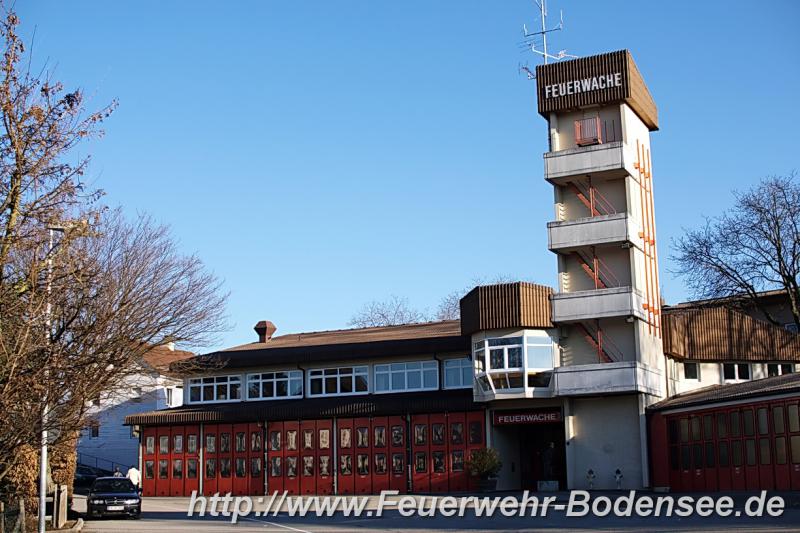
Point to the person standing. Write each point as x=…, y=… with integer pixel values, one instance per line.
x=134, y=475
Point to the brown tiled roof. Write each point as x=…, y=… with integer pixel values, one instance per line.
x=707, y=396
x=347, y=344
x=724, y=334
x=731, y=300
x=357, y=335
x=311, y=408
x=161, y=357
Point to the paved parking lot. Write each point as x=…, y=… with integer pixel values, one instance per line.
x=169, y=514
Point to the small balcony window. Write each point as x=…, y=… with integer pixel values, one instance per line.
x=587, y=131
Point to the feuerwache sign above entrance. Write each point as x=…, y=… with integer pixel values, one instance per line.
x=506, y=418
x=593, y=81
x=583, y=85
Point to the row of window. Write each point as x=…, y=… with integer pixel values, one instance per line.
x=737, y=371
x=380, y=464
x=338, y=381
x=240, y=443
x=276, y=465
x=240, y=468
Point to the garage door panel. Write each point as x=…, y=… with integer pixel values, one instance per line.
x=274, y=468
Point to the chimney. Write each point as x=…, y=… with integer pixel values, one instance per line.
x=265, y=330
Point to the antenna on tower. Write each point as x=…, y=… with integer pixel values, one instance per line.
x=536, y=41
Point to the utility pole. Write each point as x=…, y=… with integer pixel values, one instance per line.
x=45, y=408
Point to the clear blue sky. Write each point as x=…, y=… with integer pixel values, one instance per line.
x=320, y=154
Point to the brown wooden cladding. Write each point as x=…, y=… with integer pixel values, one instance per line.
x=723, y=334
x=633, y=91
x=507, y=305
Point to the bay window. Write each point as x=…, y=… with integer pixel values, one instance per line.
x=514, y=364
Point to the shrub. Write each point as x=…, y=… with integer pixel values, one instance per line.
x=484, y=463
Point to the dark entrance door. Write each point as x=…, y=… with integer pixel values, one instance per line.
x=542, y=456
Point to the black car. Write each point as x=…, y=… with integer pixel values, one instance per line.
x=113, y=496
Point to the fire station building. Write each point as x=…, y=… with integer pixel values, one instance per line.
x=580, y=385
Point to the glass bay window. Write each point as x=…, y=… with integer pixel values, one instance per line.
x=514, y=364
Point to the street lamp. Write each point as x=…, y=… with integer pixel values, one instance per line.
x=48, y=320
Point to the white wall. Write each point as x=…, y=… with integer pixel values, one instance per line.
x=604, y=435
x=137, y=394
x=710, y=374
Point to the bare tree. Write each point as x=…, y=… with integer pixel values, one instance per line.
x=751, y=247
x=449, y=307
x=84, y=293
x=109, y=299
x=390, y=312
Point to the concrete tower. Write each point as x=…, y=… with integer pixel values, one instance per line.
x=607, y=309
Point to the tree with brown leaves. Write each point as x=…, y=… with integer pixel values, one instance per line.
x=84, y=292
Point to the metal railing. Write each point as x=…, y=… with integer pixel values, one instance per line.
x=84, y=459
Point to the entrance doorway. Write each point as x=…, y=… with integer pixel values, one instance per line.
x=542, y=456
x=532, y=446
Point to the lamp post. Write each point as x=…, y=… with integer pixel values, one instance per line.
x=48, y=320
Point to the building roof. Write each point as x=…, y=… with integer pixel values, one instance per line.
x=345, y=345
x=733, y=299
x=788, y=383
x=161, y=357
x=312, y=408
x=423, y=330
x=724, y=334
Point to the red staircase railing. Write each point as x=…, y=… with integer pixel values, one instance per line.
x=607, y=350
x=592, y=199
x=597, y=270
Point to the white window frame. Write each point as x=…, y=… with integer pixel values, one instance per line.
x=482, y=361
x=201, y=382
x=356, y=370
x=461, y=364
x=390, y=369
x=259, y=377
x=539, y=341
x=736, y=367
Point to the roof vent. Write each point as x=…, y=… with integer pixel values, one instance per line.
x=265, y=330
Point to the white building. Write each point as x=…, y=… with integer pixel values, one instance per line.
x=107, y=442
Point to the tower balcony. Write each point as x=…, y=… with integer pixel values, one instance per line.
x=617, y=228
x=612, y=159
x=607, y=378
x=598, y=303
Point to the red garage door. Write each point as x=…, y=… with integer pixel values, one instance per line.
x=747, y=447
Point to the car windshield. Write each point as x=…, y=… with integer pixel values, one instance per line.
x=113, y=485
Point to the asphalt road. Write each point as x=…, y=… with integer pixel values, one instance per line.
x=169, y=514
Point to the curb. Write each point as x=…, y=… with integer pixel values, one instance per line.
x=74, y=529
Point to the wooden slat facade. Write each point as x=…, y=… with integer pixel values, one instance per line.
x=633, y=91
x=507, y=305
x=724, y=334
